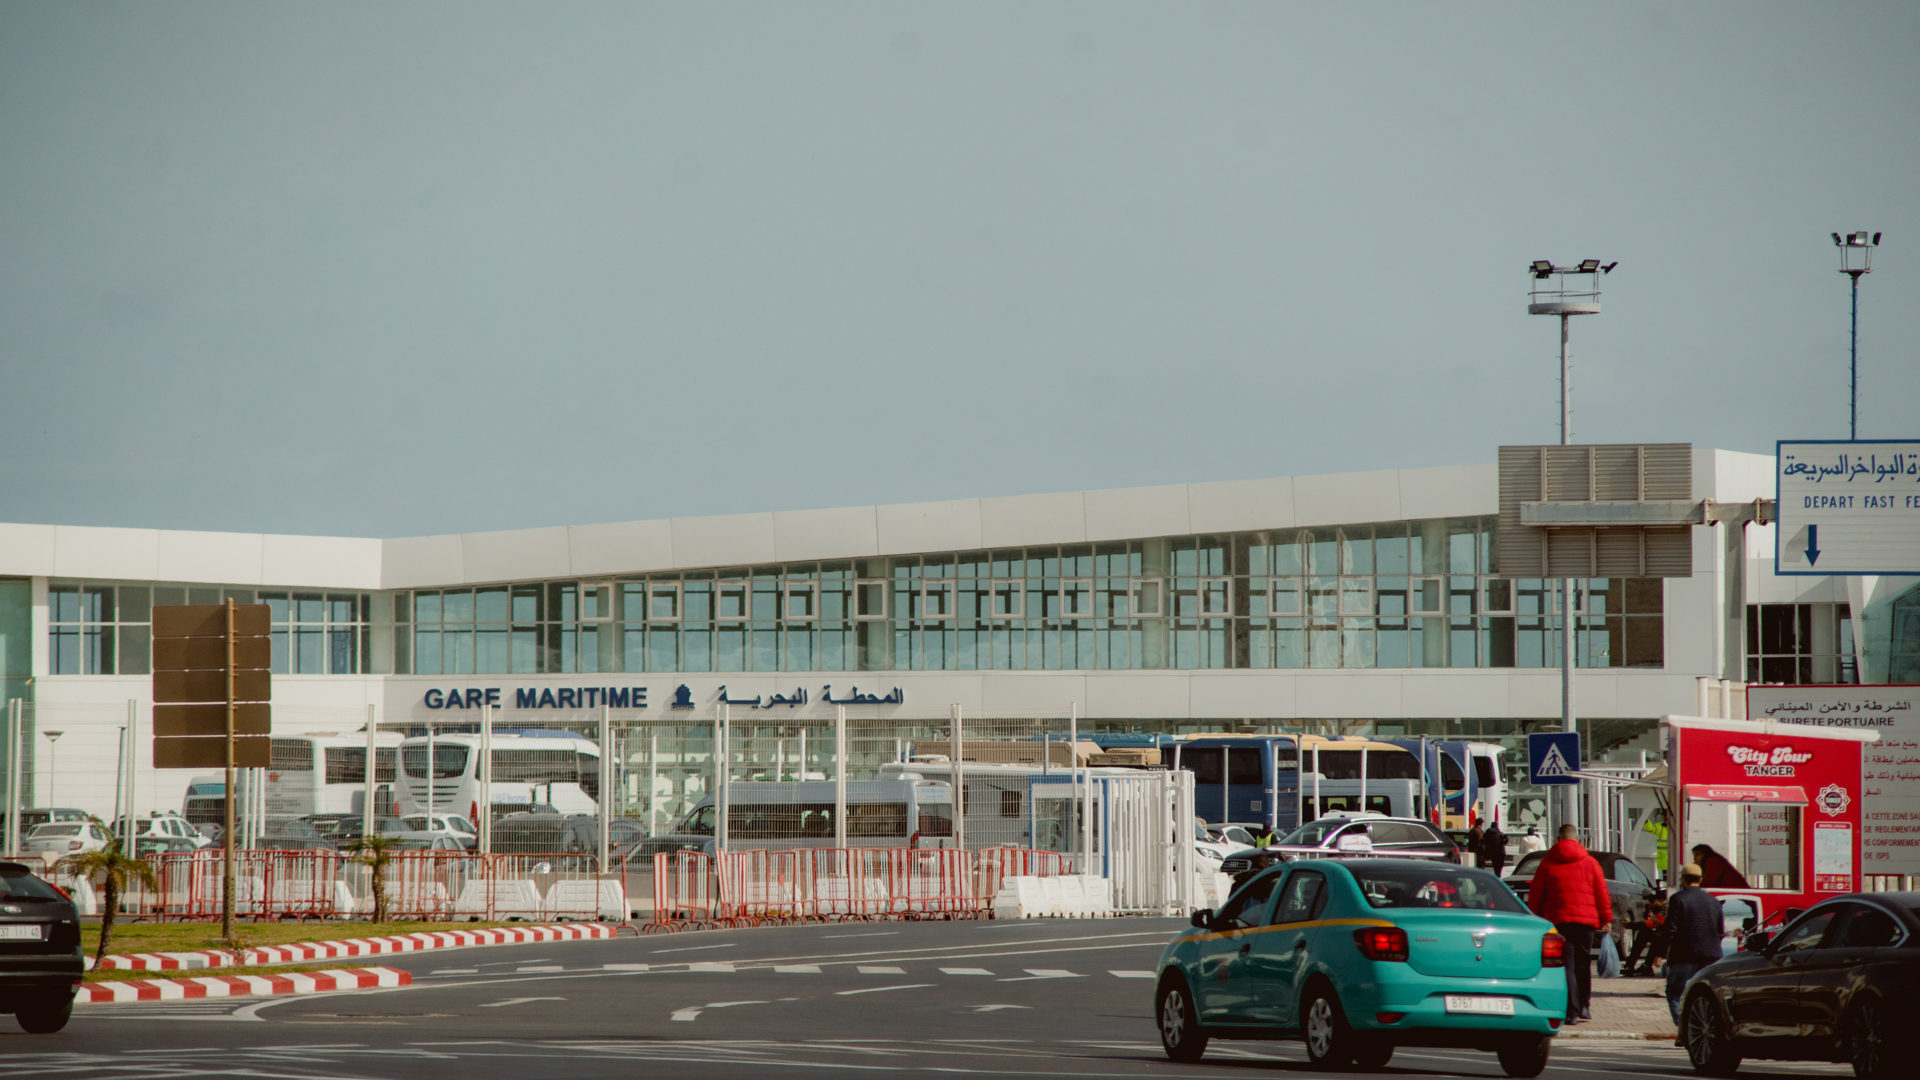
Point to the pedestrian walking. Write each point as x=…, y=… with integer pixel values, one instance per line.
x=1693, y=934
x=1476, y=846
x=1493, y=849
x=1570, y=891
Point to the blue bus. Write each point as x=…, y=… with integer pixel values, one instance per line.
x=1465, y=783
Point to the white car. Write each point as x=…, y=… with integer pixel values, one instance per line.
x=438, y=824
x=174, y=827
x=62, y=838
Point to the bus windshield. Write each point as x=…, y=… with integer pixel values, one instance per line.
x=449, y=760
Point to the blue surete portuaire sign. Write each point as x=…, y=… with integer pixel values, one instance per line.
x=1553, y=757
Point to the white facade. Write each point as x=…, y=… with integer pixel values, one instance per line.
x=1703, y=615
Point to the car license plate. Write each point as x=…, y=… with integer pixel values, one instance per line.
x=1473, y=1003
x=20, y=933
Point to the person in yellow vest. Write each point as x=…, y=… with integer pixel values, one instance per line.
x=1657, y=825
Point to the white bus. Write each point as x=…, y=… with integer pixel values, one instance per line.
x=777, y=815
x=326, y=773
x=557, y=769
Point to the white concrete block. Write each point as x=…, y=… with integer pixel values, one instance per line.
x=1130, y=513
x=1240, y=505
x=928, y=526
x=628, y=547
x=803, y=535
x=1340, y=498
x=727, y=540
x=515, y=555
x=1033, y=519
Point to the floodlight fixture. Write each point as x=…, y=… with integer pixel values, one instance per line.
x=1608, y=269
x=1588, y=266
x=1541, y=269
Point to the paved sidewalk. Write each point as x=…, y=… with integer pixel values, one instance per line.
x=1627, y=1009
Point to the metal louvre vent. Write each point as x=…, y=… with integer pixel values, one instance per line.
x=1606, y=473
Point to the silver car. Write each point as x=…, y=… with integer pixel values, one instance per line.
x=63, y=838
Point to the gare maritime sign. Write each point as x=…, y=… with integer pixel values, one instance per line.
x=633, y=697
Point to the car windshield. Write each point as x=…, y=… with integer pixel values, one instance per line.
x=1312, y=833
x=1436, y=885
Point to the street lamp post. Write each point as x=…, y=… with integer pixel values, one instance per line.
x=53, y=763
x=1552, y=295
x=1851, y=244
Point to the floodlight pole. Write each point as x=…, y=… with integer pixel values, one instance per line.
x=1560, y=300
x=1863, y=242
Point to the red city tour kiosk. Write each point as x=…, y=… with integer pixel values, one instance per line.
x=1781, y=801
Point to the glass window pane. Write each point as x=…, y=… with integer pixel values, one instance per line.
x=490, y=606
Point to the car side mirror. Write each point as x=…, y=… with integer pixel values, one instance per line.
x=1203, y=918
x=1757, y=942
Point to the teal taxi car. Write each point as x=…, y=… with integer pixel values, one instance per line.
x=1359, y=956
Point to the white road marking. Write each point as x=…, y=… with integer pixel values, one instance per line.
x=687, y=1015
x=455, y=971
x=997, y=1008
x=518, y=1001
x=883, y=933
x=879, y=969
x=526, y=969
x=1045, y=973
x=965, y=971
x=697, y=948
x=797, y=969
x=725, y=968
x=626, y=967
x=882, y=989
x=1131, y=974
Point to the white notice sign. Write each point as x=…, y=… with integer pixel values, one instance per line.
x=1890, y=843
x=1848, y=507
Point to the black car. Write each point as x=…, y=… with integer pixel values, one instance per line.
x=40, y=961
x=1628, y=886
x=1840, y=982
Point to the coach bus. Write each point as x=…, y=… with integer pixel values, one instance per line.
x=1283, y=781
x=557, y=769
x=326, y=773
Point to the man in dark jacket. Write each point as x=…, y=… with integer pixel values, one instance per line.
x=1693, y=933
x=1570, y=891
x=1493, y=849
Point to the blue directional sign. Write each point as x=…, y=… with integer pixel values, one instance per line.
x=1553, y=757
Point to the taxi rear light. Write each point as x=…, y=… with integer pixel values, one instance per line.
x=1553, y=951
x=1389, y=1018
x=1382, y=943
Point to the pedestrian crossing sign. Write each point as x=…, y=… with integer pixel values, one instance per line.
x=1553, y=757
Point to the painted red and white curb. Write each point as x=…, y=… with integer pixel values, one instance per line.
x=348, y=948
x=220, y=986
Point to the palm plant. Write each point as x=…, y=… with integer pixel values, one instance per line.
x=114, y=870
x=375, y=852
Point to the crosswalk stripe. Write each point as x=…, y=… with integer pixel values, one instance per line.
x=879, y=969
x=965, y=971
x=797, y=969
x=1131, y=974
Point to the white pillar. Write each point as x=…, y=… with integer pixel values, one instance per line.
x=840, y=776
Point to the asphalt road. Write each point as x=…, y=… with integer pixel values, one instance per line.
x=1003, y=999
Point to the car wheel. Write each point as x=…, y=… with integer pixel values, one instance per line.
x=45, y=1017
x=1373, y=1055
x=1708, y=1045
x=1865, y=1039
x=1329, y=1039
x=1525, y=1055
x=1180, y=1033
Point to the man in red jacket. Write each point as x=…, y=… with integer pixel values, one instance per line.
x=1570, y=891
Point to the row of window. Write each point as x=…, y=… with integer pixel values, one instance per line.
x=97, y=628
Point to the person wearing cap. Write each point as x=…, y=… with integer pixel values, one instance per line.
x=1693, y=935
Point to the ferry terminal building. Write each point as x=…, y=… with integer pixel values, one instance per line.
x=1360, y=603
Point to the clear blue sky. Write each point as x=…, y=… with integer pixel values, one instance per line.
x=382, y=270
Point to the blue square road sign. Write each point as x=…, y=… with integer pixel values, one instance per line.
x=1553, y=757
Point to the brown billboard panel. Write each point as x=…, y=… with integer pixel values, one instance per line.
x=188, y=686
x=249, y=752
x=210, y=653
x=172, y=721
x=210, y=620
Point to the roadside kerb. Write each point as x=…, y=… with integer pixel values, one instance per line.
x=220, y=986
x=347, y=948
